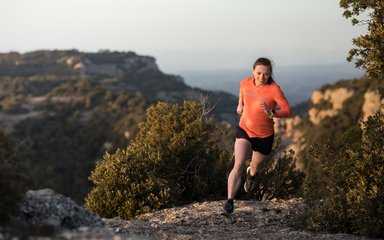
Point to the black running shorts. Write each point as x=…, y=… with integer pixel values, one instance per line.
x=262, y=145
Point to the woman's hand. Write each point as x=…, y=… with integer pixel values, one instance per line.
x=240, y=109
x=266, y=109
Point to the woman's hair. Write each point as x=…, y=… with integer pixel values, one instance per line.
x=265, y=62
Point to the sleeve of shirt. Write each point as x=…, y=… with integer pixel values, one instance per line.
x=281, y=100
x=241, y=95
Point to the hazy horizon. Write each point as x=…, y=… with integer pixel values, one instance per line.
x=184, y=35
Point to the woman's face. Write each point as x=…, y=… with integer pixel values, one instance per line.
x=261, y=73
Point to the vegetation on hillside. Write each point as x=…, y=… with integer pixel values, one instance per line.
x=12, y=178
x=349, y=183
x=68, y=117
x=345, y=158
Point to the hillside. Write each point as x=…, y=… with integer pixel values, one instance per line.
x=27, y=78
x=65, y=109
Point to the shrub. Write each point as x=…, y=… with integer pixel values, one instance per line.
x=172, y=159
x=350, y=196
x=278, y=178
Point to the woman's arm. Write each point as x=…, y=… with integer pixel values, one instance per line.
x=240, y=105
x=281, y=100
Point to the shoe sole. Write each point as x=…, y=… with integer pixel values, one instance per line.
x=248, y=170
x=245, y=189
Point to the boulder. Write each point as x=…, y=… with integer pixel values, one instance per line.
x=47, y=208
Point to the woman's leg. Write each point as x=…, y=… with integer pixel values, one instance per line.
x=242, y=149
x=257, y=159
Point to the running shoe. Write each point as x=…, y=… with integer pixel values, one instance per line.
x=228, y=207
x=250, y=183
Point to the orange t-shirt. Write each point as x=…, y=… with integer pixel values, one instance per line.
x=254, y=120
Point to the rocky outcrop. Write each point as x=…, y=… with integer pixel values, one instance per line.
x=292, y=136
x=99, y=69
x=45, y=207
x=140, y=63
x=129, y=64
x=333, y=98
x=53, y=216
x=326, y=103
x=372, y=103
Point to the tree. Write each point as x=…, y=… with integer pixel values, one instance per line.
x=369, y=54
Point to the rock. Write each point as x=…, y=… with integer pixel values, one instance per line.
x=372, y=103
x=335, y=98
x=45, y=207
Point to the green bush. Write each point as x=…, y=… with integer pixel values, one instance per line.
x=173, y=159
x=349, y=197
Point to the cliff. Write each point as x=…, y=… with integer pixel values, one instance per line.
x=332, y=109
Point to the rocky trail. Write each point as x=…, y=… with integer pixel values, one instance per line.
x=276, y=219
x=53, y=216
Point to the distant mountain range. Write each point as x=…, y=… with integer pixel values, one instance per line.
x=298, y=82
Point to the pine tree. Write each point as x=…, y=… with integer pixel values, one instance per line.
x=369, y=51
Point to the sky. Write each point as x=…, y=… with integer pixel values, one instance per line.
x=184, y=34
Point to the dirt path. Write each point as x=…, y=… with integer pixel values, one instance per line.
x=274, y=219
